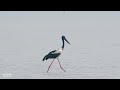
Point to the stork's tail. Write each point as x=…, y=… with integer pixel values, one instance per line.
x=44, y=58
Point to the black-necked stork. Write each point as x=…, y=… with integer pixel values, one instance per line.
x=56, y=53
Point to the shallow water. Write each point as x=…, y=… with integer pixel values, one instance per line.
x=98, y=64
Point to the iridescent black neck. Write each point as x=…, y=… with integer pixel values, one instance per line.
x=63, y=44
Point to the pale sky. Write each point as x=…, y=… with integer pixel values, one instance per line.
x=38, y=32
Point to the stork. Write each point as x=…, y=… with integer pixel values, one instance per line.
x=56, y=53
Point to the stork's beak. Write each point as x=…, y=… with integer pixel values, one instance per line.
x=67, y=41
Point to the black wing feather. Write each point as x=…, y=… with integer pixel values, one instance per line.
x=48, y=55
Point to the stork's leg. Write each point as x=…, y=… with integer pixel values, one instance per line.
x=50, y=65
x=60, y=65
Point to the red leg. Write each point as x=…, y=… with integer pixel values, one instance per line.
x=50, y=65
x=60, y=65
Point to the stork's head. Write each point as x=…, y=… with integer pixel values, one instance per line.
x=63, y=38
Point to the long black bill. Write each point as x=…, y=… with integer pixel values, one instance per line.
x=67, y=41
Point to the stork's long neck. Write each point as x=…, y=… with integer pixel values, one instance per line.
x=63, y=44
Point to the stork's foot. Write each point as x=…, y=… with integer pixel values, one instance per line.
x=62, y=69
